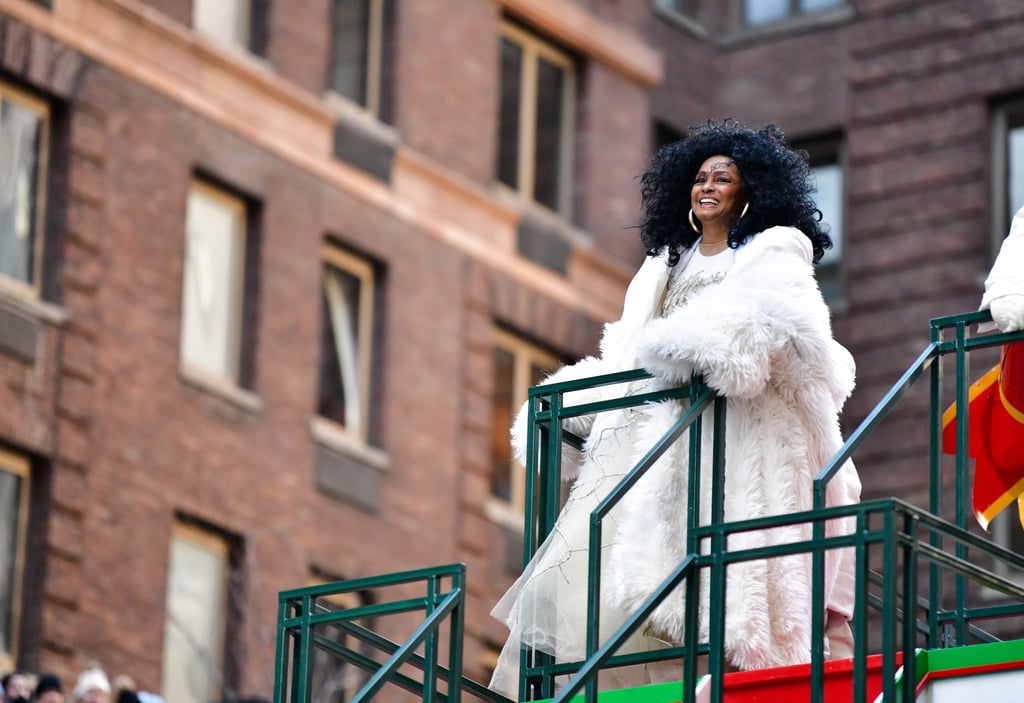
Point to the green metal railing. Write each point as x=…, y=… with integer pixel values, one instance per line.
x=548, y=410
x=925, y=590
x=310, y=622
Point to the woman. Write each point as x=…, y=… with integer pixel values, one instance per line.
x=727, y=292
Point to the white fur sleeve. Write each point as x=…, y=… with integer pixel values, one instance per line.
x=1004, y=287
x=731, y=346
x=580, y=426
x=730, y=332
x=1007, y=274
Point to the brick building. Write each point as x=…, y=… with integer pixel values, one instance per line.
x=274, y=273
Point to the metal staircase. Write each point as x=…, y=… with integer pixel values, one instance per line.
x=927, y=578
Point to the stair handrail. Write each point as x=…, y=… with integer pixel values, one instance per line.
x=299, y=614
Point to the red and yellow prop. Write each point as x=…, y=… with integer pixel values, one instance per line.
x=995, y=435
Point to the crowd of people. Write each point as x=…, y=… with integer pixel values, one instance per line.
x=91, y=686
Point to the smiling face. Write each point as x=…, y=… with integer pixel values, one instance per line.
x=716, y=197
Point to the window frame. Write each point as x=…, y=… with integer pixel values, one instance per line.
x=25, y=100
x=343, y=601
x=336, y=256
x=374, y=59
x=525, y=355
x=219, y=544
x=827, y=150
x=20, y=466
x=233, y=353
x=1005, y=116
x=534, y=48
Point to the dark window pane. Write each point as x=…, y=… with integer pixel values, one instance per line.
x=10, y=500
x=335, y=680
x=339, y=345
x=19, y=145
x=508, y=117
x=501, y=409
x=550, y=116
x=537, y=373
x=349, y=47
x=665, y=135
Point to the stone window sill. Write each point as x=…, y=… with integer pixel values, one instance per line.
x=502, y=513
x=334, y=437
x=345, y=467
x=222, y=388
x=19, y=299
x=22, y=317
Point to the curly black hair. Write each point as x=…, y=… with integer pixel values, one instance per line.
x=776, y=181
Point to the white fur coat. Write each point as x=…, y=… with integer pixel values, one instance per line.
x=1004, y=287
x=762, y=338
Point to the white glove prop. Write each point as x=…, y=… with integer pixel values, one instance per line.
x=1008, y=312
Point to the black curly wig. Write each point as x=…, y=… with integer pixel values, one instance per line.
x=776, y=181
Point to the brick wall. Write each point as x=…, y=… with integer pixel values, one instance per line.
x=123, y=442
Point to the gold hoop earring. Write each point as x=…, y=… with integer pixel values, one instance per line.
x=745, y=208
x=693, y=225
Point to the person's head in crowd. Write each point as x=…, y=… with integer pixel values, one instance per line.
x=16, y=687
x=92, y=686
x=49, y=689
x=125, y=689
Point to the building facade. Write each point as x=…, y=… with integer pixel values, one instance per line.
x=275, y=273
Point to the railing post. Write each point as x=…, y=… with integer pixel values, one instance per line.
x=889, y=609
x=860, y=619
x=910, y=527
x=281, y=652
x=303, y=672
x=455, y=631
x=593, y=601
x=962, y=425
x=535, y=528
x=430, y=646
x=935, y=487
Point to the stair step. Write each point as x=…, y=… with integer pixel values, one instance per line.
x=991, y=672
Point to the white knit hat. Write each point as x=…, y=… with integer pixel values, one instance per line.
x=91, y=680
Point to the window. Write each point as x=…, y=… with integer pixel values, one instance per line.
x=1008, y=160
x=346, y=341
x=23, y=142
x=212, y=291
x=663, y=135
x=357, y=30
x=517, y=365
x=198, y=602
x=335, y=680
x=761, y=12
x=229, y=21
x=14, y=489
x=538, y=85
x=827, y=167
